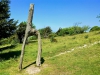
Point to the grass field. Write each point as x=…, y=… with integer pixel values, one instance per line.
x=84, y=61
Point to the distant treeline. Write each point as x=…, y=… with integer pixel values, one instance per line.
x=10, y=32
x=47, y=31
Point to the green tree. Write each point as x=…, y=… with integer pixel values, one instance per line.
x=21, y=30
x=62, y=31
x=72, y=30
x=95, y=28
x=85, y=28
x=78, y=29
x=7, y=25
x=45, y=32
x=42, y=31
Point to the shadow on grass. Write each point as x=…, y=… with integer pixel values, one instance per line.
x=42, y=61
x=7, y=47
x=8, y=55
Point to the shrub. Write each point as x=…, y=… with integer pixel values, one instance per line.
x=95, y=28
x=4, y=41
x=32, y=38
x=52, y=35
x=45, y=32
x=86, y=36
x=13, y=40
x=74, y=37
x=52, y=39
x=61, y=32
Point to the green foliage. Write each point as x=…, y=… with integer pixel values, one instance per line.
x=86, y=36
x=73, y=37
x=77, y=29
x=52, y=35
x=7, y=26
x=21, y=30
x=45, y=32
x=11, y=40
x=95, y=28
x=72, y=30
x=42, y=32
x=61, y=32
x=32, y=38
x=83, y=61
x=52, y=39
x=4, y=41
x=79, y=62
x=3, y=73
x=85, y=28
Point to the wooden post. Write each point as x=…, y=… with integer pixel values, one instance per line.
x=38, y=60
x=28, y=28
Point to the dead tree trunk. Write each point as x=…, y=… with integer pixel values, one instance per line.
x=38, y=60
x=28, y=28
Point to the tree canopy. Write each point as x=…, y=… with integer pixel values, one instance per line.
x=72, y=30
x=45, y=32
x=21, y=30
x=7, y=25
x=95, y=28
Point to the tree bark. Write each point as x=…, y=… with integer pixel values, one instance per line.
x=38, y=60
x=28, y=29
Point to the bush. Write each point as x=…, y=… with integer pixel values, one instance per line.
x=74, y=37
x=11, y=40
x=45, y=32
x=86, y=36
x=4, y=41
x=62, y=31
x=52, y=35
x=52, y=39
x=95, y=28
x=32, y=38
x=72, y=30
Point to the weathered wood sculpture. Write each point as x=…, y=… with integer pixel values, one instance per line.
x=30, y=30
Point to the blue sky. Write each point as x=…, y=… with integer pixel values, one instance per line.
x=57, y=13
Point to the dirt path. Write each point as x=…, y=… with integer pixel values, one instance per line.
x=33, y=70
x=80, y=47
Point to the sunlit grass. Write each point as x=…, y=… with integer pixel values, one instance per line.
x=79, y=62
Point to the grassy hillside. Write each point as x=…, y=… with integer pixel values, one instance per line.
x=81, y=61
